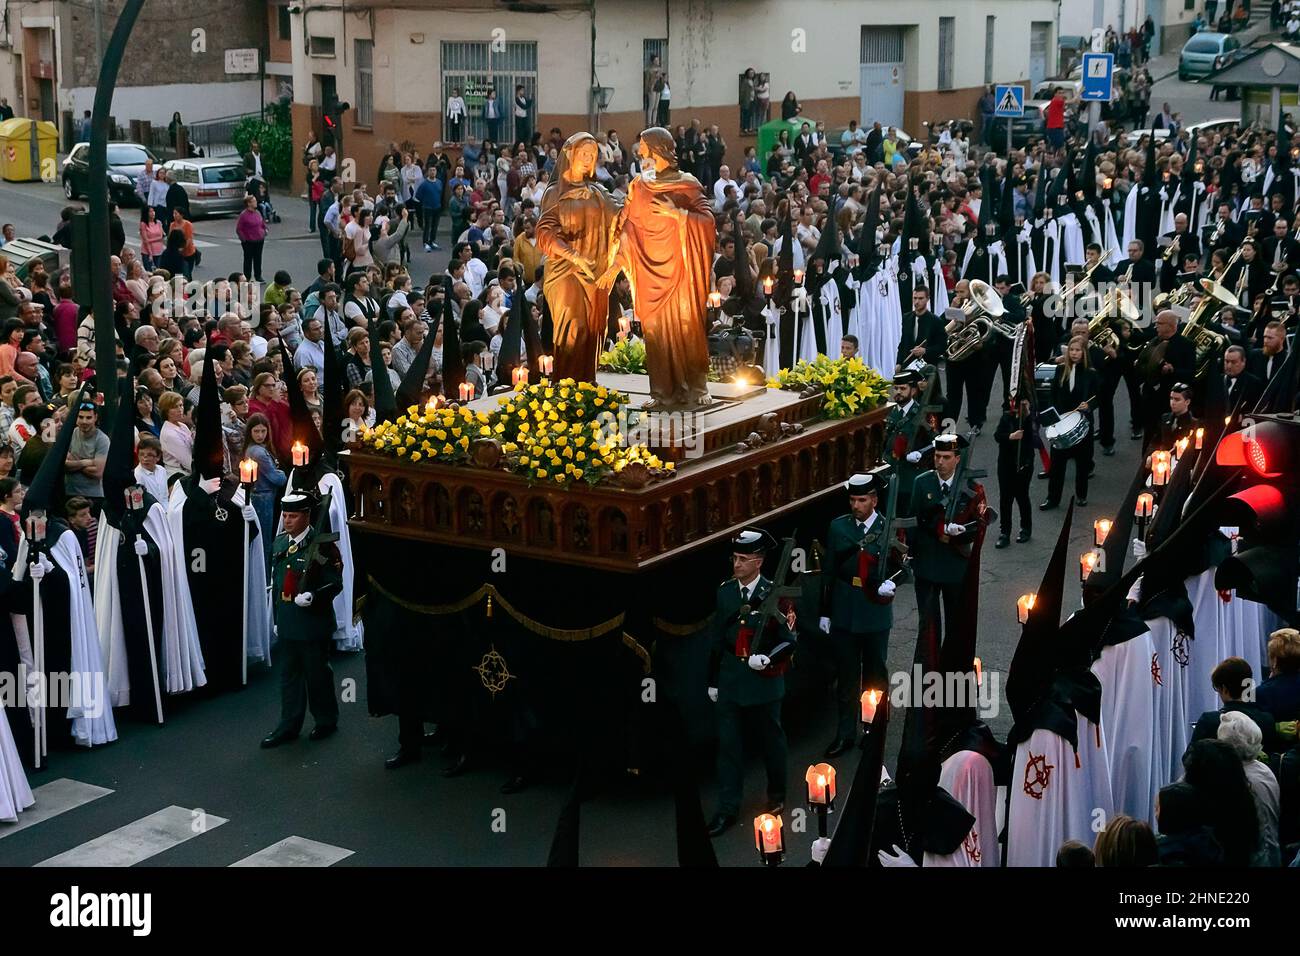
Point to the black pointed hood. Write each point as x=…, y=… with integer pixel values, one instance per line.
x=46, y=490
x=333, y=388
x=785, y=289
x=385, y=400
x=209, y=462
x=744, y=289
x=1040, y=192
x=301, y=426
x=453, y=363
x=119, y=470
x=411, y=388
x=828, y=244
x=851, y=841
x=1007, y=205
x=868, y=247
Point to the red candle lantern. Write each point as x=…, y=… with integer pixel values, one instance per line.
x=769, y=839
x=299, y=452
x=1025, y=604
x=1100, y=529
x=248, y=471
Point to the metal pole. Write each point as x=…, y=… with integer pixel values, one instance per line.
x=97, y=190
x=1009, y=121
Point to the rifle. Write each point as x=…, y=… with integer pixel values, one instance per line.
x=293, y=585
x=770, y=610
x=971, y=514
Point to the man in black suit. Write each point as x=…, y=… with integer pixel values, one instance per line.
x=1187, y=244
x=1265, y=362
x=1248, y=277
x=924, y=335
x=1241, y=389
x=805, y=142
x=1223, y=233
x=1168, y=359
x=1281, y=250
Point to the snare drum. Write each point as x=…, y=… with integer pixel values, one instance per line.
x=1072, y=428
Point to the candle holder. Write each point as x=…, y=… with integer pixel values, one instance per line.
x=134, y=495
x=715, y=300
x=769, y=839
x=1200, y=438
x=248, y=473
x=519, y=377
x=798, y=276
x=1180, y=446
x=36, y=525
x=767, y=286
x=465, y=392
x=625, y=325
x=1025, y=604
x=1089, y=561
x=820, y=780
x=432, y=404
x=1100, y=529
x=1160, y=465
x=547, y=364
x=298, y=451
x=870, y=701
x=1143, y=511
x=979, y=672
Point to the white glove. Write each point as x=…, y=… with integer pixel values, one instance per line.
x=824, y=625
x=898, y=858
x=303, y=600
x=141, y=548
x=210, y=485
x=887, y=589
x=248, y=514
x=713, y=694
x=46, y=563
x=758, y=661
x=913, y=457
x=37, y=570
x=952, y=528
x=1139, y=548
x=819, y=848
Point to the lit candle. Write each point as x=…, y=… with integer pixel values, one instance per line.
x=1146, y=506
x=466, y=391
x=715, y=300
x=247, y=471
x=768, y=838
x=1107, y=183
x=1100, y=528
x=979, y=671
x=519, y=377
x=798, y=276
x=547, y=363
x=821, y=785
x=767, y=285
x=135, y=496
x=1024, y=605
x=1181, y=445
x=299, y=452
x=431, y=405
x=1087, y=562
x=1159, y=472
x=624, y=325
x=1200, y=438
x=1199, y=167
x=870, y=701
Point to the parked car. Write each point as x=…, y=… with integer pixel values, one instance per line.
x=215, y=186
x=1032, y=125
x=125, y=163
x=1204, y=53
x=1221, y=125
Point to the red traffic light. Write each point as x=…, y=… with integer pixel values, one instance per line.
x=1268, y=446
x=329, y=121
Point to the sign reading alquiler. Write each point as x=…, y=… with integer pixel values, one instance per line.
x=242, y=61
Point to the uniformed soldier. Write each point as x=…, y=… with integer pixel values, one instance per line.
x=303, y=597
x=859, y=609
x=941, y=548
x=746, y=686
x=906, y=435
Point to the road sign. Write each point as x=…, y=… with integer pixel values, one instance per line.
x=242, y=61
x=1098, y=71
x=1009, y=101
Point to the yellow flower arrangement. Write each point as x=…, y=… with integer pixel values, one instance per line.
x=849, y=386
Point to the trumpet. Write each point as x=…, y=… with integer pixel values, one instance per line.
x=1171, y=250
x=1086, y=278
x=1118, y=308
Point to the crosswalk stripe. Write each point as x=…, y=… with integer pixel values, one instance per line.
x=53, y=798
x=296, y=851
x=198, y=244
x=138, y=841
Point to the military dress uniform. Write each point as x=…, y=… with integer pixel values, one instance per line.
x=305, y=633
x=900, y=423
x=939, y=565
x=859, y=626
x=745, y=696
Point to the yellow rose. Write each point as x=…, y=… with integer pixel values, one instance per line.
x=577, y=473
x=410, y=440
x=485, y=431
x=447, y=449
x=440, y=434
x=581, y=456
x=401, y=451
x=415, y=456
x=542, y=472
x=464, y=442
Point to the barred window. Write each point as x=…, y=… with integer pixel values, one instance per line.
x=365, y=52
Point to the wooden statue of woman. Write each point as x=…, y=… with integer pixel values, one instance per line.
x=664, y=239
x=574, y=232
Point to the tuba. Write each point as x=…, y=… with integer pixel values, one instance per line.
x=1208, y=342
x=1119, y=307
x=981, y=313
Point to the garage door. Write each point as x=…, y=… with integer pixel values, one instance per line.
x=881, y=80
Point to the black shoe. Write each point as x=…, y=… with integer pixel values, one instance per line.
x=838, y=746
x=1042, y=475
x=320, y=733
x=721, y=823
x=514, y=784
x=458, y=766
x=1081, y=502
x=402, y=758
x=276, y=738
x=1025, y=535
x=1049, y=506
x=1004, y=541
x=1137, y=434
x=1108, y=450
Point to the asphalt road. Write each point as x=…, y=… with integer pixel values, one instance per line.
x=336, y=792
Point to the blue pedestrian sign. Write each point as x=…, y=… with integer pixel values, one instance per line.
x=1098, y=71
x=1009, y=101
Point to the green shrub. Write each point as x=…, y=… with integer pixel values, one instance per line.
x=277, y=144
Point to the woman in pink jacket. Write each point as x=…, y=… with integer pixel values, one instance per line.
x=151, y=237
x=251, y=230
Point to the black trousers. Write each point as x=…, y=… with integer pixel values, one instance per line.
x=1081, y=455
x=1111, y=376
x=949, y=595
x=1013, y=485
x=859, y=664
x=306, y=679
x=764, y=721
x=253, y=259
x=432, y=217
x=965, y=377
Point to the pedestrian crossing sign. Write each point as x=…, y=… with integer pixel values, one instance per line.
x=1009, y=101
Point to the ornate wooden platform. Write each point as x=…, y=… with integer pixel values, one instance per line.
x=717, y=488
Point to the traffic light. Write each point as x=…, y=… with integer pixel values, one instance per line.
x=1266, y=512
x=333, y=118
